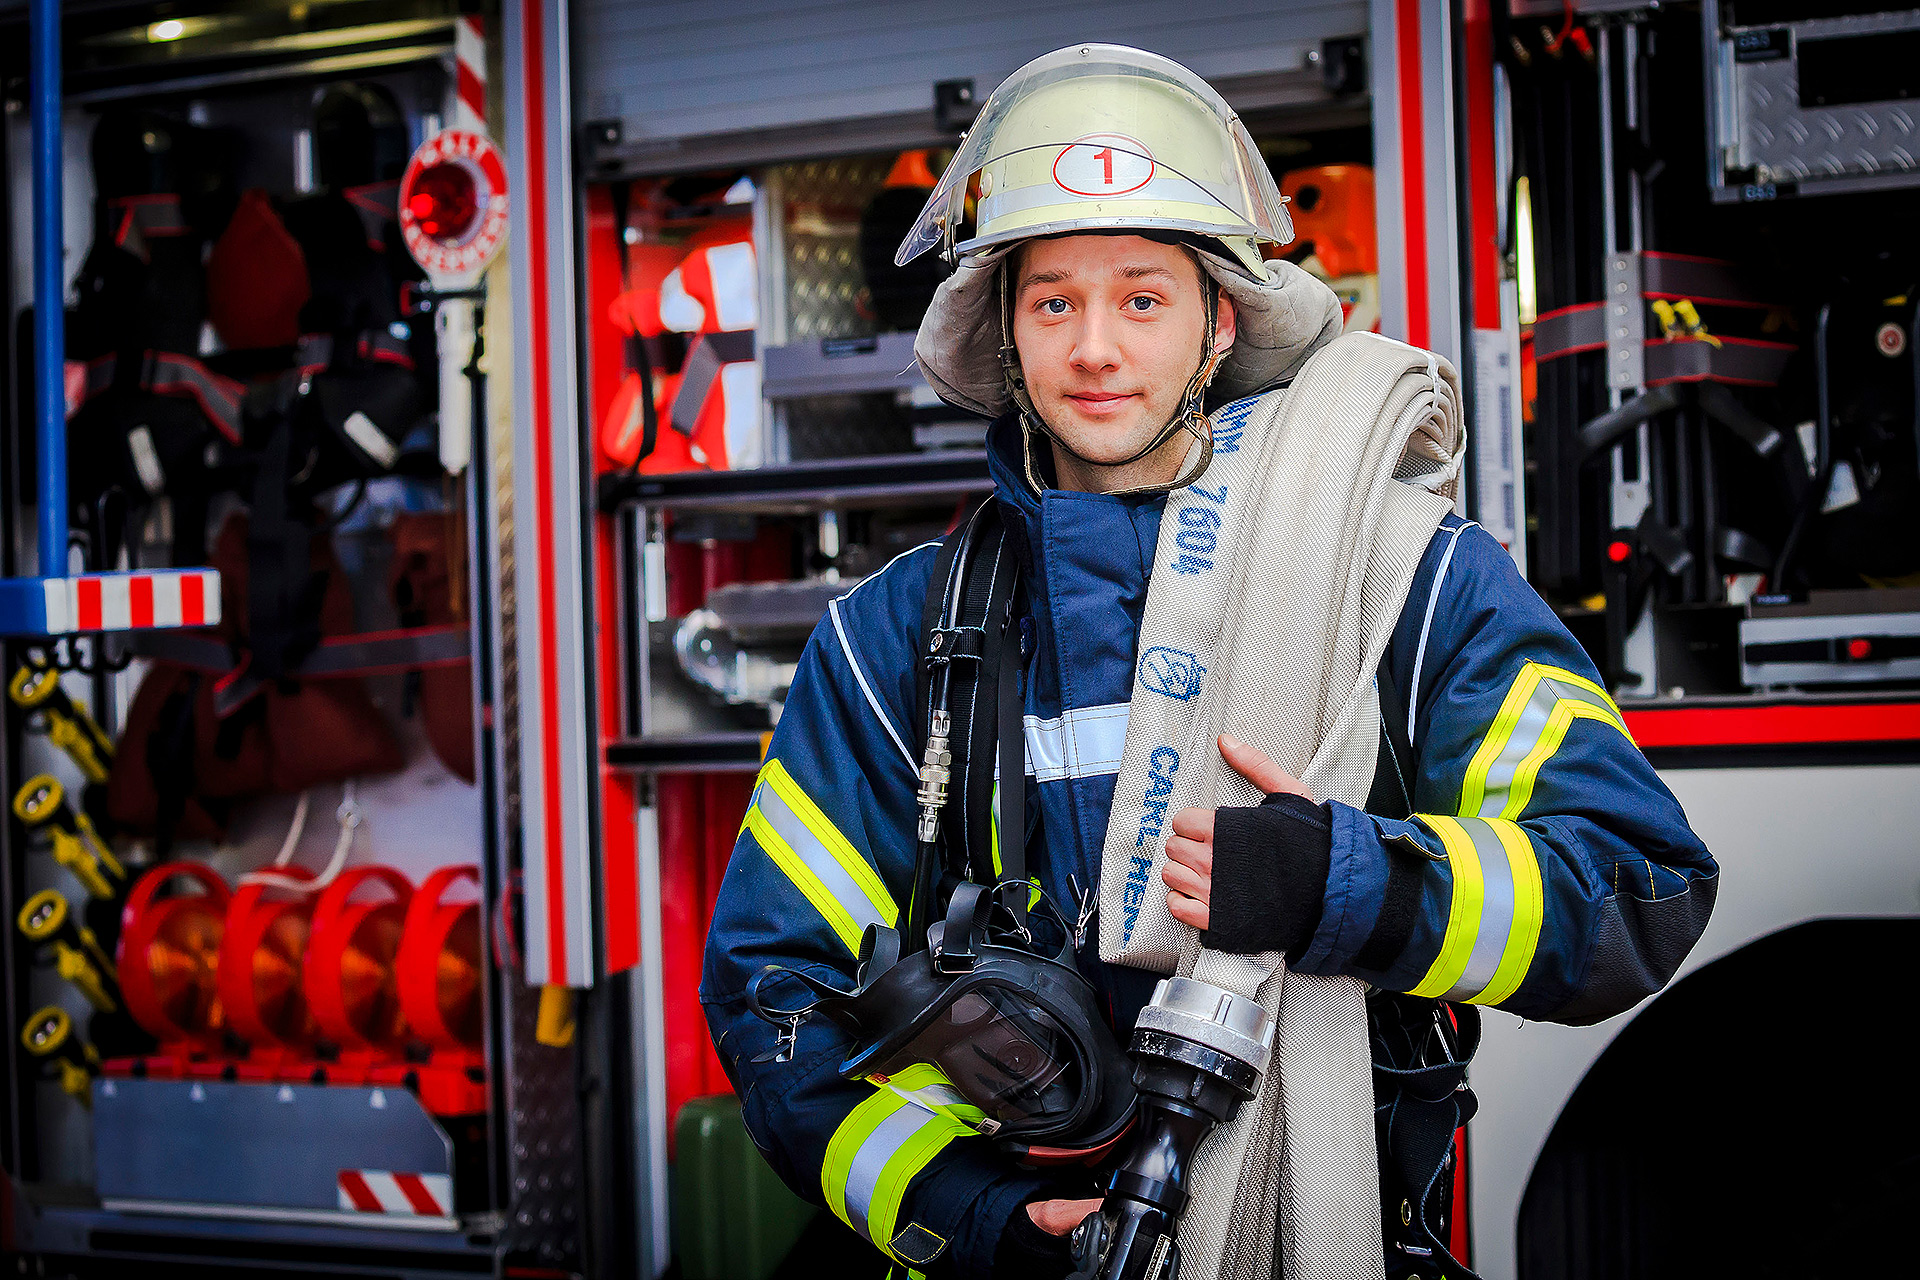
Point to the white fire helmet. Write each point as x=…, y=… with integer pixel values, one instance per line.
x=1100, y=136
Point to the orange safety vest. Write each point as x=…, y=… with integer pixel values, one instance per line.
x=714, y=294
x=1332, y=206
x=636, y=313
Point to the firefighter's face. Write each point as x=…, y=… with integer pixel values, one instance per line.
x=1108, y=332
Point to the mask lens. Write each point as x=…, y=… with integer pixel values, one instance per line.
x=1005, y=1055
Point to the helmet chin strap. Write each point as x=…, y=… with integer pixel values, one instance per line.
x=1187, y=415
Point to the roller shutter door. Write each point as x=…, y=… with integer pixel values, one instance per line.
x=664, y=73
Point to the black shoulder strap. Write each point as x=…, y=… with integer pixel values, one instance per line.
x=966, y=630
x=940, y=588
x=1391, y=795
x=1012, y=827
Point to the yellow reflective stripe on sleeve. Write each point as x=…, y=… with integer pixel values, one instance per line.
x=1463, y=917
x=926, y=1142
x=1493, y=923
x=784, y=857
x=822, y=864
x=873, y=1156
x=829, y=836
x=846, y=1143
x=927, y=1085
x=1564, y=714
x=1529, y=908
x=1526, y=731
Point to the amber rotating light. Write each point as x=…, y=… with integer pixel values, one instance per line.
x=169, y=955
x=261, y=960
x=350, y=981
x=438, y=966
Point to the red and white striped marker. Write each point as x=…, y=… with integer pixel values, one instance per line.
x=406, y=1195
x=135, y=601
x=470, y=73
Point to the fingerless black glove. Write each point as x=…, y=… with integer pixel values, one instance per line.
x=1269, y=875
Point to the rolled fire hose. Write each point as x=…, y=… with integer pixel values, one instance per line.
x=169, y=956
x=1280, y=575
x=262, y=959
x=437, y=971
x=350, y=981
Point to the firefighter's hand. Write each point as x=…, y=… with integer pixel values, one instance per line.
x=1189, y=867
x=1060, y=1217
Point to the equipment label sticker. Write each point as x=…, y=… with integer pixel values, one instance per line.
x=1103, y=164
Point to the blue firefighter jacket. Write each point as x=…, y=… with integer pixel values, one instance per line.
x=1559, y=879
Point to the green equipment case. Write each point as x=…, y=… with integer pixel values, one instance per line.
x=733, y=1219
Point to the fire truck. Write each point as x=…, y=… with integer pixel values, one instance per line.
x=548, y=530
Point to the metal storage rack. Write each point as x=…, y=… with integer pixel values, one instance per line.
x=522, y=1182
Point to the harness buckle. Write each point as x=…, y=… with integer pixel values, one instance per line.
x=951, y=644
x=949, y=960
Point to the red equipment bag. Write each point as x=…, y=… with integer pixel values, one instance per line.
x=178, y=759
x=256, y=278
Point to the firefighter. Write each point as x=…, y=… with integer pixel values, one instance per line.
x=1536, y=862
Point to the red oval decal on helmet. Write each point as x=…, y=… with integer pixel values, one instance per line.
x=1103, y=164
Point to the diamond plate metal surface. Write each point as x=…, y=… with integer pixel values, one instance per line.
x=546, y=1191
x=1783, y=142
x=825, y=286
x=826, y=298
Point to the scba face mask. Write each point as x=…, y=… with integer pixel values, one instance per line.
x=990, y=1023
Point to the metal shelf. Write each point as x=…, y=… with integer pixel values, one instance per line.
x=840, y=366
x=84, y=1229
x=806, y=486
x=735, y=752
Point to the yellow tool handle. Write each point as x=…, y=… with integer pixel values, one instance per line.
x=72, y=854
x=554, y=1024
x=32, y=685
x=45, y=915
x=77, y=969
x=77, y=1081
x=91, y=943
x=100, y=849
x=80, y=746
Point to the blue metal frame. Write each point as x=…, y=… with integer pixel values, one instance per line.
x=49, y=292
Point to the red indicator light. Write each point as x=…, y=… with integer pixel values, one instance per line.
x=1859, y=650
x=445, y=202
x=1618, y=551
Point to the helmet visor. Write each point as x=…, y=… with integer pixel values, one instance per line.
x=1099, y=137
